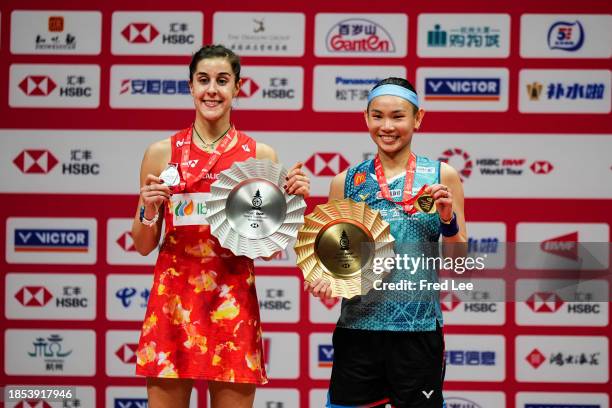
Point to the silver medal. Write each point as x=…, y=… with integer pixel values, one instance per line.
x=170, y=175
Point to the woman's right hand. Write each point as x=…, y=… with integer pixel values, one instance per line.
x=319, y=287
x=153, y=194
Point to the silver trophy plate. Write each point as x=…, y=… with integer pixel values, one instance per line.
x=249, y=213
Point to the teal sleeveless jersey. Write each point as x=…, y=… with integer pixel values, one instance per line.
x=396, y=310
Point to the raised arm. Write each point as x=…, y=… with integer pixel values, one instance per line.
x=153, y=196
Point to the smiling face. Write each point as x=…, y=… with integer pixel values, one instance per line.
x=391, y=121
x=213, y=87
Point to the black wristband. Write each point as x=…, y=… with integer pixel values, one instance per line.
x=451, y=229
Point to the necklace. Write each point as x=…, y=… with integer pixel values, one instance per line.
x=209, y=146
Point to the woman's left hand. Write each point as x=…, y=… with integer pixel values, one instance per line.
x=297, y=181
x=443, y=197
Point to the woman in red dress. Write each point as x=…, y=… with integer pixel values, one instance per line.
x=202, y=320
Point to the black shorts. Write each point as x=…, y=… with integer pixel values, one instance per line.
x=372, y=368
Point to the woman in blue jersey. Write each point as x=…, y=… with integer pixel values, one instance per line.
x=391, y=349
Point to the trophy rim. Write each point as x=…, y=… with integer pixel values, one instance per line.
x=310, y=264
x=239, y=173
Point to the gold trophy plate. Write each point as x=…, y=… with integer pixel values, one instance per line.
x=339, y=241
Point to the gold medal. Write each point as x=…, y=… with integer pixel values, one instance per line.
x=339, y=241
x=425, y=204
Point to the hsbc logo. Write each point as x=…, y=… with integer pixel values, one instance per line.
x=565, y=246
x=326, y=164
x=449, y=301
x=330, y=303
x=248, y=88
x=37, y=85
x=156, y=32
x=33, y=404
x=275, y=87
x=126, y=242
x=271, y=88
x=541, y=167
x=36, y=296
x=43, y=85
x=544, y=302
x=127, y=352
x=54, y=86
x=139, y=33
x=536, y=358
x=40, y=296
x=35, y=161
x=32, y=161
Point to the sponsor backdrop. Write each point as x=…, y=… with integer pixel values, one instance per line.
x=518, y=101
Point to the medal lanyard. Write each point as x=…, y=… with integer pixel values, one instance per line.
x=407, y=198
x=191, y=178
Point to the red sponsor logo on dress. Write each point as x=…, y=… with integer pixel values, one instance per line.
x=565, y=246
x=139, y=33
x=326, y=164
x=358, y=179
x=31, y=161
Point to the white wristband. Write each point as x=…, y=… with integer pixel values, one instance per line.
x=145, y=221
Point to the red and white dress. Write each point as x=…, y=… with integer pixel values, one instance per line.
x=202, y=319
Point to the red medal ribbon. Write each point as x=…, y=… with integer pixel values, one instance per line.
x=189, y=177
x=407, y=198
